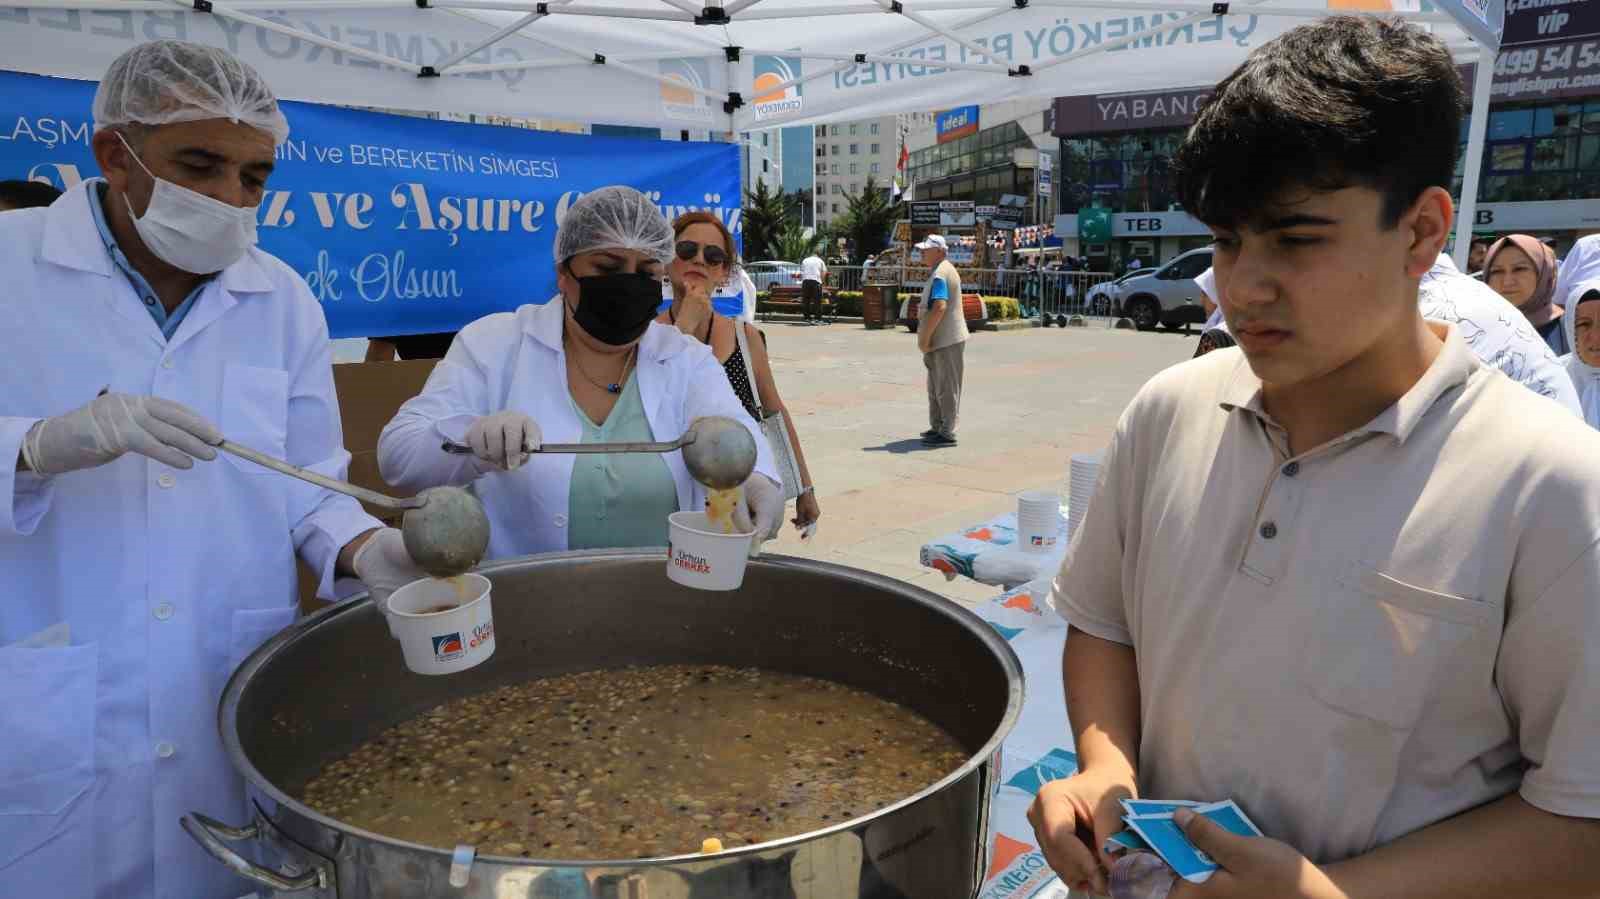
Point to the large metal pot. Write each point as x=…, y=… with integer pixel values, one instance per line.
x=317, y=690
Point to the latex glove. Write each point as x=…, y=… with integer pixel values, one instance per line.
x=761, y=510
x=114, y=424
x=383, y=564
x=502, y=440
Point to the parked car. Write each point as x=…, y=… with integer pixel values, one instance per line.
x=1169, y=296
x=1102, y=297
x=769, y=274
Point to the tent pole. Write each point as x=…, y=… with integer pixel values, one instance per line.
x=1477, y=129
x=493, y=39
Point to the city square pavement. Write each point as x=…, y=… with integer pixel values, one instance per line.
x=1032, y=398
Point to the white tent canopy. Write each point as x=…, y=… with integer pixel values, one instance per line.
x=709, y=65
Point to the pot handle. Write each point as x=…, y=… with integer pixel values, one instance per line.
x=211, y=834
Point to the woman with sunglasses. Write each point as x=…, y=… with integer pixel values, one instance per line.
x=591, y=366
x=702, y=262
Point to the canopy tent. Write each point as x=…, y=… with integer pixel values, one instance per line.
x=721, y=67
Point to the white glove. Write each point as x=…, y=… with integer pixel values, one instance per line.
x=383, y=564
x=764, y=515
x=502, y=440
x=116, y=423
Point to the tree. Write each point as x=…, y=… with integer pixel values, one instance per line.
x=794, y=245
x=869, y=221
x=764, y=216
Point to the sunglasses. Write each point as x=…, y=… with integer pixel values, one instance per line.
x=713, y=254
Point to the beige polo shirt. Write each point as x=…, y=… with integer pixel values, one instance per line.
x=1363, y=640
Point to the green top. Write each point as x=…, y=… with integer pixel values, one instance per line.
x=619, y=499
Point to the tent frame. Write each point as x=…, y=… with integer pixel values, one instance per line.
x=737, y=115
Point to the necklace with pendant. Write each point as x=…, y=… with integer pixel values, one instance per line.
x=611, y=388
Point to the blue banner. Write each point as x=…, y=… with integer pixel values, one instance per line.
x=402, y=225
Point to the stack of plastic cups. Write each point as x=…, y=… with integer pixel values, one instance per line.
x=1038, y=520
x=1080, y=488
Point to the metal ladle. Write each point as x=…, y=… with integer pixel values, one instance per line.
x=445, y=529
x=719, y=452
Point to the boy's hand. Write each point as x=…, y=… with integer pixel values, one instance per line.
x=1252, y=867
x=1072, y=818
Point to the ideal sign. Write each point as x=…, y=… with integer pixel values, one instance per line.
x=954, y=124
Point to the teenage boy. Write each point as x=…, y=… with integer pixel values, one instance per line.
x=1343, y=573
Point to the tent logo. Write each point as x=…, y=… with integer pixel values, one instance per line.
x=681, y=78
x=772, y=71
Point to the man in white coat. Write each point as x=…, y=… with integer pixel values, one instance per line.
x=139, y=313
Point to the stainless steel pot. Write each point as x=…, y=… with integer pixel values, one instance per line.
x=314, y=692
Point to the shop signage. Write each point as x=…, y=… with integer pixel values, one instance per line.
x=954, y=124
x=943, y=214
x=1094, y=225
x=1544, y=72
x=1553, y=215
x=1537, y=21
x=1046, y=170
x=1102, y=113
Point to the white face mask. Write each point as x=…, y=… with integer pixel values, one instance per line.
x=189, y=230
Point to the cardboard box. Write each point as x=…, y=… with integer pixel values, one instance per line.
x=370, y=393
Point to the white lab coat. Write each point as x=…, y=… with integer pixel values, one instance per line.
x=167, y=578
x=515, y=361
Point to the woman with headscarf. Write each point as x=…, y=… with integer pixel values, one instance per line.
x=1582, y=264
x=1583, y=332
x=590, y=367
x=1523, y=270
x=1214, y=334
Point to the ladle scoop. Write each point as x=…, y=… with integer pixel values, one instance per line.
x=445, y=529
x=718, y=451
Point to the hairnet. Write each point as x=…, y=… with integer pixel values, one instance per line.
x=163, y=82
x=614, y=218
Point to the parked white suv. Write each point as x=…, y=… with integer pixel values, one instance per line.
x=1169, y=296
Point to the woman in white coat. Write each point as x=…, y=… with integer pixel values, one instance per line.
x=588, y=367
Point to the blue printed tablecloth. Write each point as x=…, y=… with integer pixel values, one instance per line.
x=1039, y=750
x=988, y=553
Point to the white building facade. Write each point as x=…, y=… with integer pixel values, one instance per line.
x=846, y=154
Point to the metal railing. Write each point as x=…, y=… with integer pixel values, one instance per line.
x=1051, y=296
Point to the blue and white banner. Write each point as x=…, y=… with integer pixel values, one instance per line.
x=402, y=225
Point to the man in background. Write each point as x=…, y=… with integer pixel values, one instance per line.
x=942, y=337
x=1477, y=254
x=26, y=195
x=812, y=271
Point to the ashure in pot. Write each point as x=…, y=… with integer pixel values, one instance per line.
x=336, y=680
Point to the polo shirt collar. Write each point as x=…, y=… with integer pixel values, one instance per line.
x=1450, y=369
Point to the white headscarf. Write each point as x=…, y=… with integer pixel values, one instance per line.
x=1581, y=265
x=1585, y=376
x=1208, y=283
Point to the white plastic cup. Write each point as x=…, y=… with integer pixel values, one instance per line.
x=703, y=557
x=1038, y=520
x=443, y=628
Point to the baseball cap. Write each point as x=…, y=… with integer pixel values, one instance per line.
x=932, y=241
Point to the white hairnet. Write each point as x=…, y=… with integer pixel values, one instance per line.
x=163, y=82
x=614, y=218
x=1207, y=282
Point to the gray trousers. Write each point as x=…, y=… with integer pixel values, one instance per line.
x=945, y=369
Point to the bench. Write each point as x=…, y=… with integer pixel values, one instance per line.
x=786, y=299
x=971, y=308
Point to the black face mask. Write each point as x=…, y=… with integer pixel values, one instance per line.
x=616, y=309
